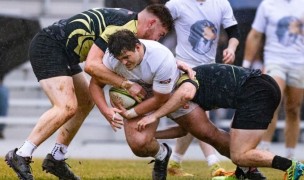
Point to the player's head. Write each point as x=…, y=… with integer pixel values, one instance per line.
x=154, y=22
x=126, y=47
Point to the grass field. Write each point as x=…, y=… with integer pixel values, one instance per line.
x=124, y=169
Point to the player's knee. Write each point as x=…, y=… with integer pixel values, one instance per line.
x=236, y=158
x=293, y=111
x=68, y=109
x=86, y=106
x=140, y=147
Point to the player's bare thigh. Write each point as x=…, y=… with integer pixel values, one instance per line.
x=135, y=137
x=60, y=91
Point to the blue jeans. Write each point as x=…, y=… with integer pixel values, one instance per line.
x=3, y=103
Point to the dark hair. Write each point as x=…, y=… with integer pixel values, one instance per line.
x=122, y=40
x=163, y=14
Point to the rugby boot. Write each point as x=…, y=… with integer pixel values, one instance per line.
x=295, y=171
x=21, y=165
x=160, y=167
x=175, y=169
x=252, y=174
x=217, y=170
x=58, y=168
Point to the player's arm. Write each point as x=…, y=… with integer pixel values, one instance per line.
x=233, y=42
x=253, y=43
x=185, y=68
x=97, y=93
x=97, y=70
x=180, y=97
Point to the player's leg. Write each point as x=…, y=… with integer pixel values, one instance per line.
x=55, y=161
x=143, y=144
x=212, y=159
x=277, y=73
x=60, y=91
x=85, y=105
x=181, y=146
x=51, y=67
x=244, y=153
x=293, y=102
x=198, y=124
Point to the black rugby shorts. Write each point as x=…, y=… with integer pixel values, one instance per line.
x=49, y=58
x=257, y=101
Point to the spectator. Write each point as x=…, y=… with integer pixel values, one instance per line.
x=282, y=24
x=3, y=106
x=197, y=27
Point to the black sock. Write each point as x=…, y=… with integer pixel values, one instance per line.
x=281, y=163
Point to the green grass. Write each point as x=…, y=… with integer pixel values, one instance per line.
x=124, y=169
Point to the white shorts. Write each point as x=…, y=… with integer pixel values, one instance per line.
x=291, y=73
x=183, y=111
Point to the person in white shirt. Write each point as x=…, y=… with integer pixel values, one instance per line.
x=197, y=26
x=281, y=22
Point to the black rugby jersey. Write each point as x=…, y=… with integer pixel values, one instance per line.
x=81, y=31
x=219, y=84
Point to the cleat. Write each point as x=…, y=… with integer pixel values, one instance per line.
x=216, y=170
x=294, y=171
x=21, y=165
x=175, y=169
x=160, y=167
x=58, y=168
x=226, y=176
x=252, y=174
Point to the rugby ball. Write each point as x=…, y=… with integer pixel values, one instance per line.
x=122, y=96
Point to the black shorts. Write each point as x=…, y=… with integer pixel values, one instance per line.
x=257, y=101
x=49, y=58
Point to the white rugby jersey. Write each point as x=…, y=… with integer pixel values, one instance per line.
x=157, y=71
x=197, y=26
x=282, y=21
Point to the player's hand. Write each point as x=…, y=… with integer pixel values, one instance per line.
x=113, y=117
x=187, y=69
x=135, y=90
x=228, y=56
x=145, y=121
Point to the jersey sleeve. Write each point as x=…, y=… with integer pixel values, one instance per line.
x=172, y=5
x=259, y=23
x=228, y=18
x=166, y=75
x=108, y=60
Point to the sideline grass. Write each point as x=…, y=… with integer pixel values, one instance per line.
x=89, y=169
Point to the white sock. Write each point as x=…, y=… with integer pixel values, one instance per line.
x=177, y=157
x=27, y=149
x=59, y=151
x=265, y=145
x=290, y=152
x=162, y=152
x=212, y=159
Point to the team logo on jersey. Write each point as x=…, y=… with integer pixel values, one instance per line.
x=289, y=30
x=167, y=81
x=202, y=36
